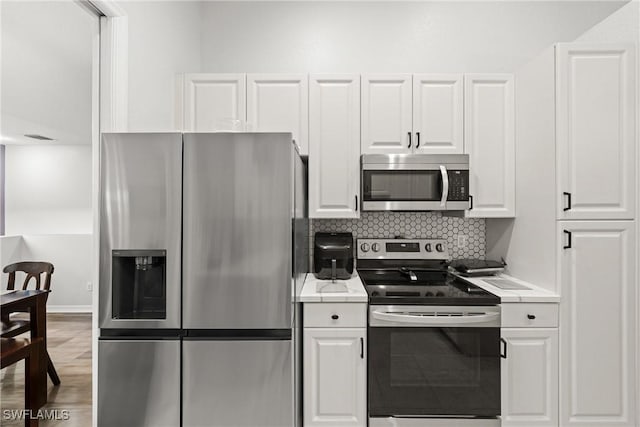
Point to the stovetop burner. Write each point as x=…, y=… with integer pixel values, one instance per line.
x=418, y=278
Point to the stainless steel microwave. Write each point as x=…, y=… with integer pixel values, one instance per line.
x=415, y=182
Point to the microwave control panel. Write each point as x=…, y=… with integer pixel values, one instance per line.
x=458, y=185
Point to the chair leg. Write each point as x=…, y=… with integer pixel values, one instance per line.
x=51, y=370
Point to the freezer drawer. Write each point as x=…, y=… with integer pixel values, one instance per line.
x=237, y=384
x=139, y=383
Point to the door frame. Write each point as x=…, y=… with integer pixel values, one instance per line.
x=110, y=98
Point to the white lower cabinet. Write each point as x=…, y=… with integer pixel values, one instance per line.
x=597, y=269
x=530, y=377
x=335, y=376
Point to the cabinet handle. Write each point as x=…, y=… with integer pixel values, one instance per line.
x=361, y=348
x=417, y=139
x=531, y=316
x=568, y=197
x=335, y=316
x=568, y=245
x=503, y=352
x=409, y=133
x=356, y=203
x=470, y=202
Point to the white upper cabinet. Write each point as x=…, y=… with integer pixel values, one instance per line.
x=213, y=101
x=420, y=113
x=334, y=146
x=490, y=142
x=386, y=113
x=438, y=124
x=595, y=125
x=596, y=266
x=279, y=103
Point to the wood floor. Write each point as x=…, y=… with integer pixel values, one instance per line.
x=69, y=344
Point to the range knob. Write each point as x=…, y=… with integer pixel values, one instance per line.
x=427, y=247
x=364, y=247
x=439, y=247
x=375, y=247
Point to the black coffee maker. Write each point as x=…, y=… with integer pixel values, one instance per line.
x=333, y=255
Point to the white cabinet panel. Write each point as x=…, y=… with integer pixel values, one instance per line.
x=596, y=264
x=386, y=113
x=335, y=370
x=212, y=101
x=530, y=377
x=438, y=123
x=279, y=103
x=490, y=143
x=334, y=146
x=596, y=141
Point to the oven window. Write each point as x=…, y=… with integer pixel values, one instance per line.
x=434, y=371
x=413, y=185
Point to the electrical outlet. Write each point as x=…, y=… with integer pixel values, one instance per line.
x=89, y=286
x=462, y=241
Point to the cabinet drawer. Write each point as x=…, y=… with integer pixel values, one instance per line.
x=335, y=315
x=534, y=315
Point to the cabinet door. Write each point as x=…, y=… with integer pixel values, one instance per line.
x=334, y=146
x=438, y=113
x=335, y=389
x=386, y=113
x=598, y=317
x=213, y=101
x=490, y=143
x=279, y=103
x=530, y=377
x=595, y=125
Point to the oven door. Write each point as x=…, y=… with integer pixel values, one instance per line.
x=430, y=361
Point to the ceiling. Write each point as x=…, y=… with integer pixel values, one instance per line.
x=46, y=71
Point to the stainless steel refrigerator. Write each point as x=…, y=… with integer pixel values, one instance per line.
x=233, y=356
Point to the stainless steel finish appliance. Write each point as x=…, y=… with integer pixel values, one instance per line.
x=238, y=217
x=140, y=220
x=434, y=339
x=139, y=382
x=415, y=182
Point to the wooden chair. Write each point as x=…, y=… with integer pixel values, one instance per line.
x=12, y=328
x=12, y=351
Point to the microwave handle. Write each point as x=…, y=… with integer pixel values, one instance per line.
x=445, y=186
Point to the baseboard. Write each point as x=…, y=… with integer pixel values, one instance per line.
x=69, y=309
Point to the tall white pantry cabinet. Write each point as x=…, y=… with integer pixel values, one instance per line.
x=596, y=144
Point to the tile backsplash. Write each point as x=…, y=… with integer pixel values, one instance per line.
x=412, y=225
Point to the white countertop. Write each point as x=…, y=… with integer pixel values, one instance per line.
x=355, y=291
x=532, y=294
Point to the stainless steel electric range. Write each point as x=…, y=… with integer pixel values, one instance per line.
x=434, y=339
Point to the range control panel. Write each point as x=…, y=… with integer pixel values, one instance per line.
x=435, y=249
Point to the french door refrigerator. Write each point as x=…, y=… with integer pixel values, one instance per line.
x=233, y=357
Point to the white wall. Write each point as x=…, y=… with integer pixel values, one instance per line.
x=170, y=37
x=72, y=261
x=48, y=189
x=388, y=36
x=164, y=40
x=527, y=243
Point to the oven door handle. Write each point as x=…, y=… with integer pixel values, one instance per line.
x=435, y=320
x=445, y=186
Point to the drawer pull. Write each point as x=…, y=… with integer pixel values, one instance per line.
x=335, y=316
x=531, y=316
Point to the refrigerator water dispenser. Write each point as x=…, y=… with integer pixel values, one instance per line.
x=139, y=284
